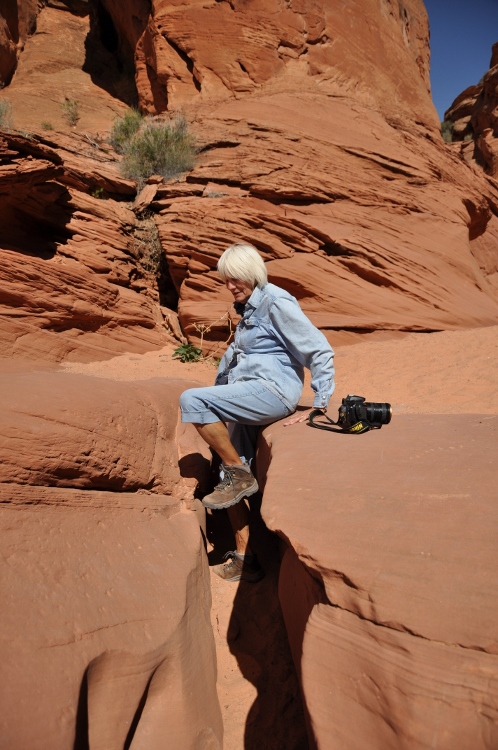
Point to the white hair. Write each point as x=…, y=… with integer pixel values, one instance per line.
x=242, y=261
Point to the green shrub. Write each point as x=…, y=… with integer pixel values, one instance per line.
x=124, y=129
x=70, y=111
x=447, y=131
x=45, y=125
x=159, y=148
x=5, y=114
x=187, y=353
x=99, y=193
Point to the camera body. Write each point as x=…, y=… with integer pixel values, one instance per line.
x=357, y=415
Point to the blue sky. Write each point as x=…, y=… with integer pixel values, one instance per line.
x=462, y=34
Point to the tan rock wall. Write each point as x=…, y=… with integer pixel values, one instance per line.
x=106, y=637
x=391, y=629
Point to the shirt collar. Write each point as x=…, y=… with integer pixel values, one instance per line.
x=251, y=303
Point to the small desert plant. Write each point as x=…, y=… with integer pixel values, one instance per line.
x=98, y=192
x=187, y=353
x=159, y=148
x=447, y=131
x=191, y=353
x=468, y=137
x=5, y=114
x=45, y=125
x=124, y=129
x=70, y=111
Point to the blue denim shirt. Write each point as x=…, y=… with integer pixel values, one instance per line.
x=274, y=341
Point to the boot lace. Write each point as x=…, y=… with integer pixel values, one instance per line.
x=226, y=481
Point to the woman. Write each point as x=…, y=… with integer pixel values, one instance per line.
x=259, y=381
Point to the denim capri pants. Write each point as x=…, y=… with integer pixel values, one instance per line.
x=245, y=406
x=248, y=402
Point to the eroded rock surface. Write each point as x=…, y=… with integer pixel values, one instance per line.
x=474, y=115
x=391, y=626
x=106, y=640
x=319, y=144
x=71, y=282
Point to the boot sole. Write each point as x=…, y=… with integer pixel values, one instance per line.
x=234, y=501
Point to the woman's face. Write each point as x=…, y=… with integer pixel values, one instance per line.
x=241, y=290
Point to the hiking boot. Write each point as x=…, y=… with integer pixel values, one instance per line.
x=238, y=482
x=239, y=568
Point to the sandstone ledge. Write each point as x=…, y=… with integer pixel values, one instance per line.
x=387, y=585
x=106, y=640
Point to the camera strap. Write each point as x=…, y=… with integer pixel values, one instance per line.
x=312, y=421
x=355, y=429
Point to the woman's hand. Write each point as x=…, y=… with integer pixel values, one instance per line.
x=300, y=416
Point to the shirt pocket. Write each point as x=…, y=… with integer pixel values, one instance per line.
x=255, y=336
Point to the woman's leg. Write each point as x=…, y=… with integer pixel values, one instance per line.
x=239, y=519
x=217, y=437
x=247, y=405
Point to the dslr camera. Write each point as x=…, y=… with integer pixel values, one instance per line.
x=355, y=416
x=358, y=415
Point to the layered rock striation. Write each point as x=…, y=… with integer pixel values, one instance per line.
x=72, y=284
x=319, y=143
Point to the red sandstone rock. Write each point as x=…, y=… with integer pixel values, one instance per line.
x=105, y=617
x=81, y=294
x=366, y=237
x=328, y=160
x=50, y=71
x=72, y=431
x=105, y=623
x=428, y=373
x=17, y=22
x=475, y=112
x=379, y=643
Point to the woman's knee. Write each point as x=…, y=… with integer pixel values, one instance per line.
x=189, y=401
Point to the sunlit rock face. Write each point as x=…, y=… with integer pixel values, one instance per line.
x=393, y=633
x=71, y=284
x=104, y=579
x=320, y=145
x=474, y=117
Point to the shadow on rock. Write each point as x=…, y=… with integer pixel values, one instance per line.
x=257, y=638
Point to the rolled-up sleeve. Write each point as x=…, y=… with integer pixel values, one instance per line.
x=307, y=345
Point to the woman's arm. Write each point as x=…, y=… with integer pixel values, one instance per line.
x=308, y=345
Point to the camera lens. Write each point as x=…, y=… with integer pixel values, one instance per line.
x=379, y=413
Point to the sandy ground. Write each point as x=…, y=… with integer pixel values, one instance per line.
x=446, y=373
x=440, y=373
